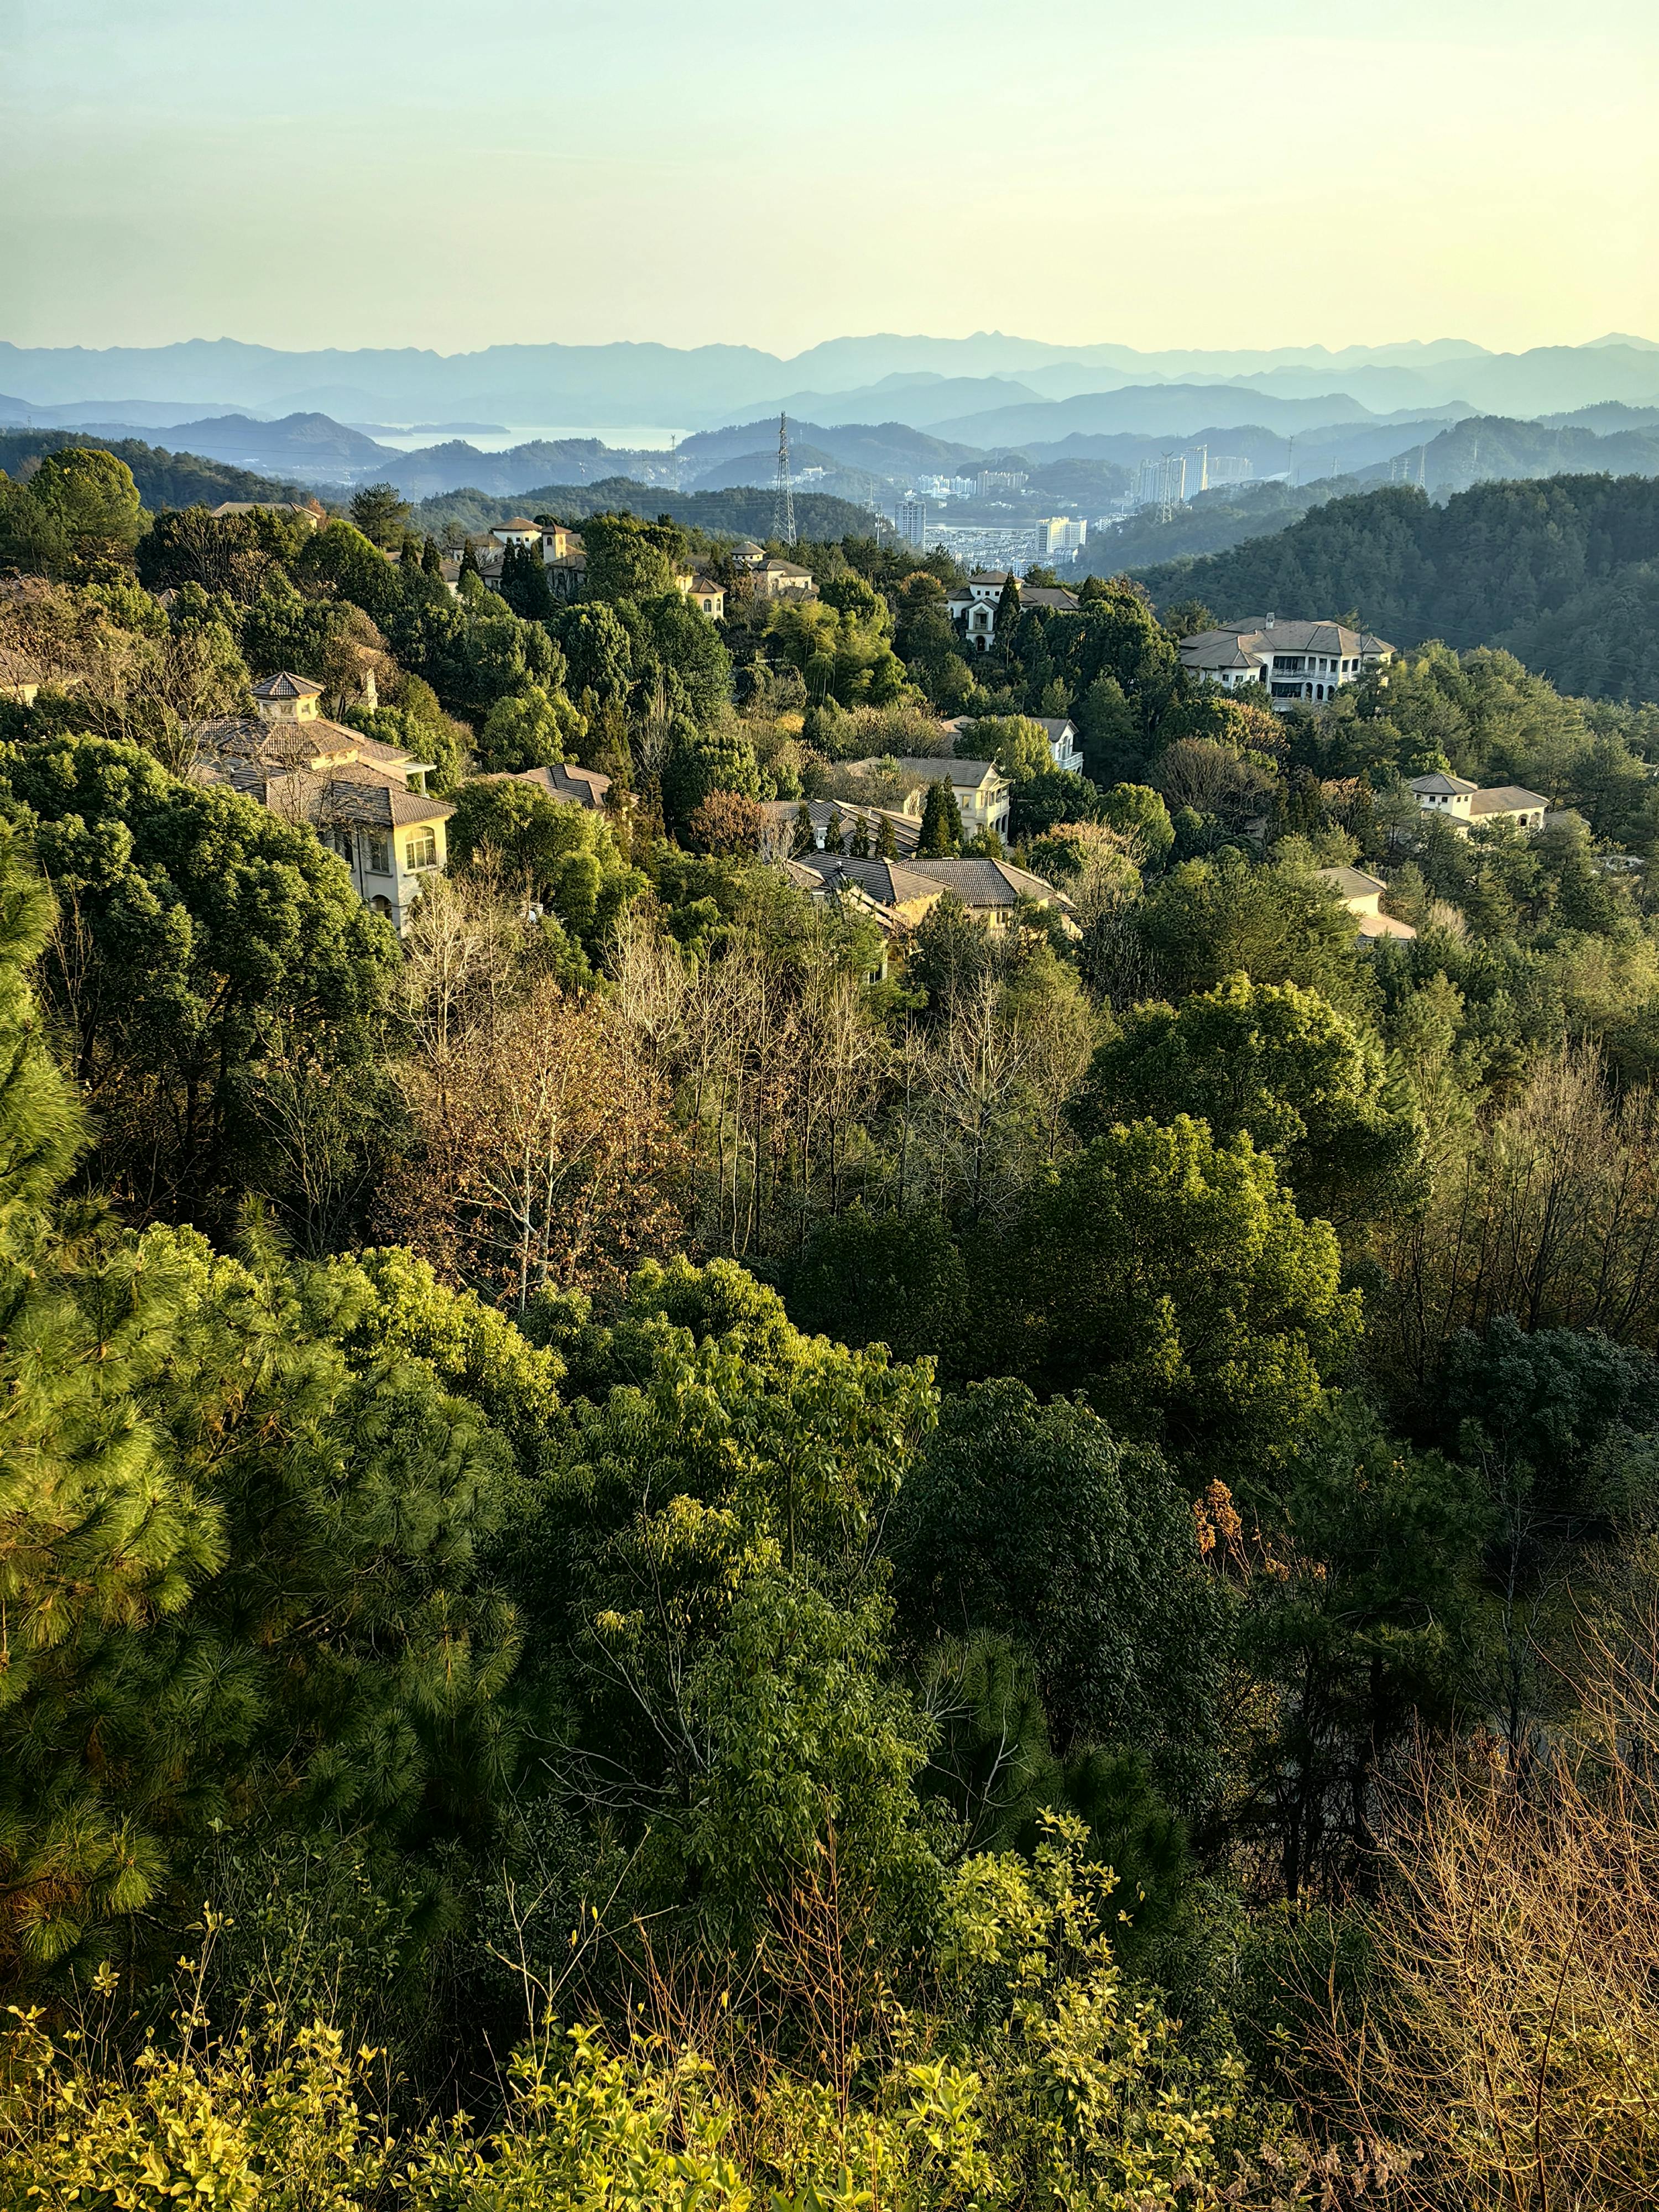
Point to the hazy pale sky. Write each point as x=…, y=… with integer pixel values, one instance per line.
x=444, y=173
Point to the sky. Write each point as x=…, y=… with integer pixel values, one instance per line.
x=445, y=174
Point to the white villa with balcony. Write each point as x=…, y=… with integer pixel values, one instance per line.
x=1297, y=663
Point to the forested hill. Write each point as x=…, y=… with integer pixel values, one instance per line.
x=746, y=511
x=1563, y=572
x=163, y=479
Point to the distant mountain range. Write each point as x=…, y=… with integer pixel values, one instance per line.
x=702, y=387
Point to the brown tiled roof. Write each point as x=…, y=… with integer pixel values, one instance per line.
x=292, y=745
x=1258, y=634
x=782, y=814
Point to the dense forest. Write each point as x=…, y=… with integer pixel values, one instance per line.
x=1561, y=573
x=163, y=478
x=659, y=1547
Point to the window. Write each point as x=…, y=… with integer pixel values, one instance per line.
x=420, y=851
x=379, y=855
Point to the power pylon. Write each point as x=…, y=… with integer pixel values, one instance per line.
x=783, y=511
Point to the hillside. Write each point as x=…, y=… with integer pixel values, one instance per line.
x=742, y=513
x=1560, y=572
x=1485, y=448
x=163, y=479
x=1211, y=523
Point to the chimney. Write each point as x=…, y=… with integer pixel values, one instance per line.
x=1270, y=622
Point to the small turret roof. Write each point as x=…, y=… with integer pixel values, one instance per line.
x=283, y=685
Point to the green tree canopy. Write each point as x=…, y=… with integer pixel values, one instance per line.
x=1278, y=924
x=941, y=821
x=529, y=728
x=1035, y=1522
x=1170, y=1278
x=628, y=559
x=1017, y=746
x=701, y=1547
x=380, y=512
x=1281, y=1066
x=565, y=857
x=211, y=934
x=80, y=507
x=1139, y=812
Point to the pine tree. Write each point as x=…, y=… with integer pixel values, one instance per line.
x=886, y=842
x=1007, y=615
x=470, y=561
x=236, y=1574
x=941, y=823
x=806, y=836
x=431, y=559
x=96, y=1532
x=833, y=841
x=860, y=848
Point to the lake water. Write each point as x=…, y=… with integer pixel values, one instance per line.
x=634, y=437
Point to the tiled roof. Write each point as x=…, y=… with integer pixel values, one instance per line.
x=1352, y=883
x=889, y=883
x=929, y=768
x=1383, y=925
x=980, y=882
x=283, y=685
x=1257, y=634
x=1444, y=786
x=1216, y=650
x=578, y=787
x=1506, y=798
x=784, y=813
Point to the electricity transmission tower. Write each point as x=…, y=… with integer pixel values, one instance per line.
x=783, y=511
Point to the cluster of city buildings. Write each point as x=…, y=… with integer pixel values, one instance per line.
x=1019, y=546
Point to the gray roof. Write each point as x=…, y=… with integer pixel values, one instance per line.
x=283, y=685
x=1258, y=634
x=1506, y=798
x=889, y=883
x=1352, y=883
x=576, y=787
x=937, y=767
x=784, y=813
x=979, y=882
x=1213, y=648
x=1442, y=786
